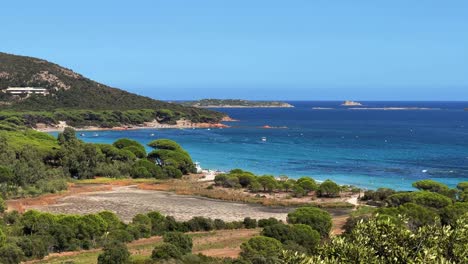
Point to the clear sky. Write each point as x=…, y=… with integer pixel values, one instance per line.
x=254, y=49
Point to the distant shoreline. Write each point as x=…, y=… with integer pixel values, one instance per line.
x=242, y=106
x=181, y=124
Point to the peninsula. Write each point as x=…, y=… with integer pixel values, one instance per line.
x=235, y=103
x=46, y=96
x=351, y=103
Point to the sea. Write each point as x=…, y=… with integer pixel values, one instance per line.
x=376, y=145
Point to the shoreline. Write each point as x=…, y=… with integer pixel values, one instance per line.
x=180, y=124
x=245, y=106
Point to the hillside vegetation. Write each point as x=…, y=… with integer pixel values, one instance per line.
x=72, y=91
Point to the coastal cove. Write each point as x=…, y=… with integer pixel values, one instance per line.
x=369, y=149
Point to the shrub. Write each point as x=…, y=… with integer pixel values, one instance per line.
x=381, y=194
x=400, y=198
x=451, y=213
x=11, y=254
x=182, y=241
x=114, y=253
x=430, y=199
x=120, y=235
x=305, y=236
x=280, y=232
x=316, y=218
x=437, y=187
x=219, y=224
x=261, y=249
x=33, y=246
x=143, y=224
x=166, y=251
x=250, y=223
x=158, y=223
x=267, y=222
x=3, y=205
x=112, y=220
x=199, y=223
x=417, y=215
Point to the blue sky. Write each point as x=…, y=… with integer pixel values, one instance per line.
x=254, y=49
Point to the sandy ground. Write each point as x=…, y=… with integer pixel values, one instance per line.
x=127, y=201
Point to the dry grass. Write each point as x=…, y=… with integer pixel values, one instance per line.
x=221, y=243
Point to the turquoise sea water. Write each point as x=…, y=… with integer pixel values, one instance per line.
x=367, y=148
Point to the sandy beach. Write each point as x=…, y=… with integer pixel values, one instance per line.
x=147, y=125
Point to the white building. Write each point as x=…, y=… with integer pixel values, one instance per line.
x=26, y=90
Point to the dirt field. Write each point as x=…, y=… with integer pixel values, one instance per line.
x=127, y=201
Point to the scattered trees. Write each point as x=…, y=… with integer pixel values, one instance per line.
x=238, y=178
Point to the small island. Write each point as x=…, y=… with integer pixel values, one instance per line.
x=351, y=103
x=235, y=103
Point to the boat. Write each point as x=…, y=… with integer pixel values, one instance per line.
x=264, y=139
x=152, y=134
x=82, y=134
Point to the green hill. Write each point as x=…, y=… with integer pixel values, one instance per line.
x=71, y=91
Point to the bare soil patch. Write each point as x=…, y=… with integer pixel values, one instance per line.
x=127, y=201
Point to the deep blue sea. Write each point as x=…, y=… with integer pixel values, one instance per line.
x=366, y=148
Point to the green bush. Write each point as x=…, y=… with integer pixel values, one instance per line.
x=11, y=254
x=316, y=218
x=180, y=240
x=267, y=222
x=114, y=253
x=3, y=205
x=166, y=251
x=451, y=213
x=260, y=249
x=250, y=223
x=199, y=223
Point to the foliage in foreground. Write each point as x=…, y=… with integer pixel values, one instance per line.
x=381, y=241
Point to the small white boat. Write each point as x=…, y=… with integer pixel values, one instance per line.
x=152, y=134
x=264, y=139
x=82, y=134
